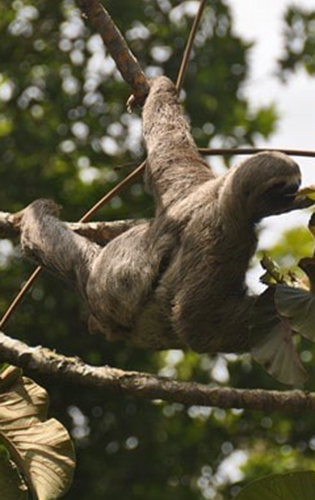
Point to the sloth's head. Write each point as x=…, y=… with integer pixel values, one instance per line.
x=265, y=184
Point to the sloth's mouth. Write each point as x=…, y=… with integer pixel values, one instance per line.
x=280, y=198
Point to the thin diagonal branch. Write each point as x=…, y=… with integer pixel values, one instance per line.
x=189, y=46
x=146, y=386
x=250, y=151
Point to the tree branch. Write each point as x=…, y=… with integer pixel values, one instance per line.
x=126, y=62
x=307, y=153
x=103, y=232
x=146, y=386
x=100, y=232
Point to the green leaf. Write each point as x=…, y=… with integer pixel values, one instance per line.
x=42, y=450
x=298, y=306
x=308, y=192
x=271, y=338
x=290, y=486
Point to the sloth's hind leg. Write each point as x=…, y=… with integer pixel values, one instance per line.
x=121, y=281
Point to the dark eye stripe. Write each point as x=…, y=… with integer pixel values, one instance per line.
x=283, y=188
x=278, y=186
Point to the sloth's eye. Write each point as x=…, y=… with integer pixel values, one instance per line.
x=275, y=188
x=283, y=188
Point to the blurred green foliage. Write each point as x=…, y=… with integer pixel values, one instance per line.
x=299, y=37
x=65, y=134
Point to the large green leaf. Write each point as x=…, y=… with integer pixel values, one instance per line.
x=290, y=486
x=271, y=337
x=42, y=450
x=298, y=306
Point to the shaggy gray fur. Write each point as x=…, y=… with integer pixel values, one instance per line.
x=176, y=281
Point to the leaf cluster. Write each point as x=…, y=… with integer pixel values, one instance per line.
x=299, y=37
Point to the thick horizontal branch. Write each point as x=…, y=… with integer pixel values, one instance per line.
x=144, y=385
x=126, y=62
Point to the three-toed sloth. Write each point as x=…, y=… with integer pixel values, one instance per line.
x=178, y=280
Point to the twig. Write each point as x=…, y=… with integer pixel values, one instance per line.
x=189, y=45
x=251, y=151
x=16, y=301
x=146, y=386
x=124, y=183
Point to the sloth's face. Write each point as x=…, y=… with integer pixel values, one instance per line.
x=269, y=183
x=281, y=194
x=274, y=198
x=265, y=184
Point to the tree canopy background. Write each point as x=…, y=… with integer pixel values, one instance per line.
x=65, y=134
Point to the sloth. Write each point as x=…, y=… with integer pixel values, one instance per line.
x=177, y=280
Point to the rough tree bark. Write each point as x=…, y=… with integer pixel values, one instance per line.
x=146, y=386
x=115, y=43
